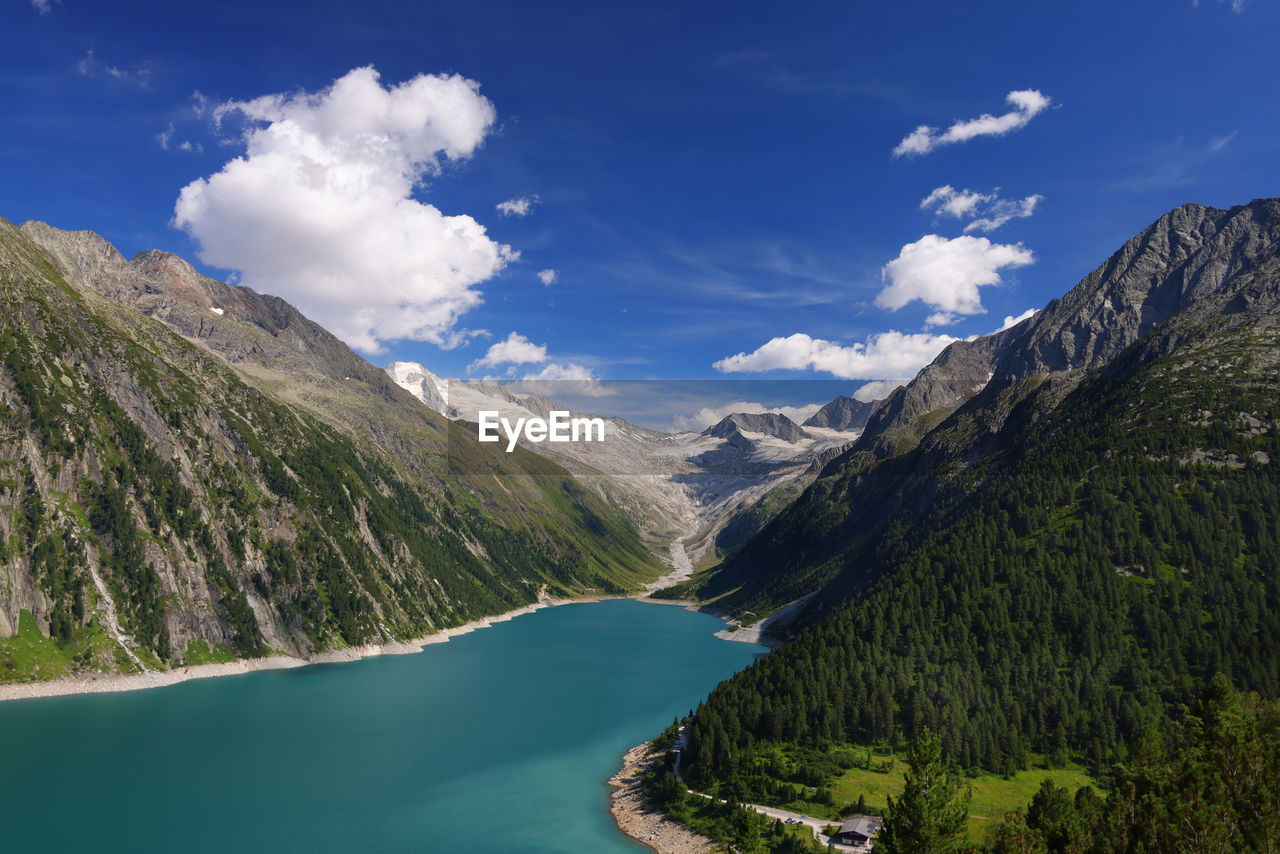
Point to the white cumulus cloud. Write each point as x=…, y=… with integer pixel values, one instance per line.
x=1027, y=103
x=555, y=380
x=1010, y=320
x=549, y=380
x=941, y=318
x=958, y=203
x=548, y=277
x=946, y=273
x=514, y=350
x=517, y=207
x=319, y=210
x=708, y=415
x=889, y=354
x=876, y=390
x=990, y=210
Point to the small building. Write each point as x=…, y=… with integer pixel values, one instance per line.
x=859, y=830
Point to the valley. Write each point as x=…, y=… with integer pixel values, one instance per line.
x=202, y=482
x=580, y=428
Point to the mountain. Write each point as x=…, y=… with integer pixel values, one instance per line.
x=1049, y=541
x=193, y=471
x=1195, y=272
x=682, y=487
x=422, y=384
x=765, y=423
x=843, y=413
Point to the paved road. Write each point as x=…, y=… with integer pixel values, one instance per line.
x=814, y=824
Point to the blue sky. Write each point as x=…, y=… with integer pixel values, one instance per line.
x=710, y=190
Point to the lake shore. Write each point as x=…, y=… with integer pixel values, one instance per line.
x=101, y=683
x=638, y=819
x=104, y=683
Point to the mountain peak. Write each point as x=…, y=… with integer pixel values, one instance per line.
x=183, y=281
x=1195, y=262
x=770, y=423
x=75, y=250
x=1190, y=258
x=422, y=384
x=844, y=413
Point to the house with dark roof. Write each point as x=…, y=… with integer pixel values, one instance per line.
x=859, y=830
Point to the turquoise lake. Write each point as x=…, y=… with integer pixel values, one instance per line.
x=498, y=741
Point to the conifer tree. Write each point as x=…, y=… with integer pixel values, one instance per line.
x=930, y=816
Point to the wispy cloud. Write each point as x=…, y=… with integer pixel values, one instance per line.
x=548, y=277
x=763, y=67
x=165, y=138
x=990, y=211
x=1237, y=6
x=1003, y=211
x=90, y=66
x=1173, y=164
x=44, y=7
x=957, y=203
x=755, y=272
x=777, y=74
x=521, y=206
x=1027, y=104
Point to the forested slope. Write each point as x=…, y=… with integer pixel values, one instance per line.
x=158, y=505
x=1061, y=561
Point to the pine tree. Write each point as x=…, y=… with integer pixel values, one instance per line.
x=930, y=816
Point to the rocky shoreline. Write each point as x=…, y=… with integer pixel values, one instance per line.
x=638, y=819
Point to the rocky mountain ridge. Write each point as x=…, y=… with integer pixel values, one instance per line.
x=181, y=484
x=765, y=423
x=1196, y=281
x=843, y=413
x=1183, y=261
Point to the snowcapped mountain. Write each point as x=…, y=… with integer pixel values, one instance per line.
x=675, y=484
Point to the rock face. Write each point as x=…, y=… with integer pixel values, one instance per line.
x=844, y=414
x=1193, y=263
x=767, y=423
x=1199, y=283
x=270, y=332
x=190, y=469
x=956, y=375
